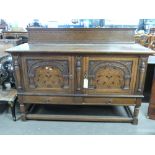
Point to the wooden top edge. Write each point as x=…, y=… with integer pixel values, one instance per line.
x=77, y=29
x=82, y=48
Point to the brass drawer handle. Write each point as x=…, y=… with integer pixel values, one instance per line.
x=109, y=101
x=48, y=100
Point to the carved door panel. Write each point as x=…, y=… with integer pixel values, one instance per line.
x=45, y=73
x=110, y=74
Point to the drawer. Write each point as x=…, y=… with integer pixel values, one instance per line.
x=48, y=100
x=110, y=101
x=78, y=100
x=53, y=100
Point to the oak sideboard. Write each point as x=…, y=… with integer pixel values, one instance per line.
x=80, y=66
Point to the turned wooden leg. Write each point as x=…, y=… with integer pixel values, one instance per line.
x=136, y=112
x=23, y=112
x=22, y=109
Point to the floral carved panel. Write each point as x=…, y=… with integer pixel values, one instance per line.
x=48, y=77
x=109, y=74
x=109, y=77
x=48, y=74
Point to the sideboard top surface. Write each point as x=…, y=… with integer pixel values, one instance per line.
x=82, y=40
x=82, y=48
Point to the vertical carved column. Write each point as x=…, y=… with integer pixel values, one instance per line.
x=19, y=85
x=142, y=71
x=17, y=73
x=78, y=72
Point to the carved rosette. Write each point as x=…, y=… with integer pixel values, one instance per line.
x=109, y=74
x=48, y=73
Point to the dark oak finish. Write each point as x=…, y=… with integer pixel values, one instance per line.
x=80, y=35
x=79, y=118
x=80, y=67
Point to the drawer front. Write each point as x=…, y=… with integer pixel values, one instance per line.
x=78, y=100
x=111, y=74
x=46, y=73
x=110, y=101
x=48, y=100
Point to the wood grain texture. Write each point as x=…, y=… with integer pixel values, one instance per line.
x=78, y=118
x=81, y=35
x=48, y=73
x=142, y=73
x=111, y=74
x=52, y=69
x=109, y=48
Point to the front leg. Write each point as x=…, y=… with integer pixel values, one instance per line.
x=22, y=108
x=136, y=112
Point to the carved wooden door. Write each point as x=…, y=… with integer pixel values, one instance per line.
x=110, y=74
x=46, y=73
